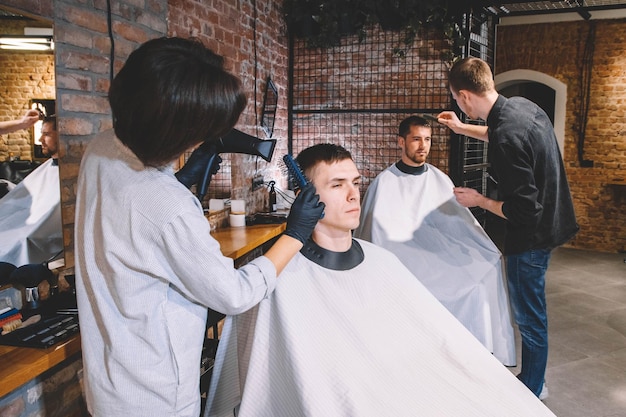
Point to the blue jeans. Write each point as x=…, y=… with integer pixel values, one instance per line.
x=526, y=274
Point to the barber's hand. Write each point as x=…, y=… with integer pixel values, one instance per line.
x=197, y=164
x=468, y=197
x=30, y=118
x=305, y=211
x=450, y=119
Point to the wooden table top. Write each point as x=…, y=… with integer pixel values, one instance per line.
x=237, y=241
x=19, y=365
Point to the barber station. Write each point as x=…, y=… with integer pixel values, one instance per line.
x=312, y=208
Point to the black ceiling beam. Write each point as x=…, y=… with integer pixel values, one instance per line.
x=494, y=9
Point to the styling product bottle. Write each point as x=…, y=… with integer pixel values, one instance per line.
x=272, y=196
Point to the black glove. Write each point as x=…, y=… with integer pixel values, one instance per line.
x=305, y=211
x=198, y=163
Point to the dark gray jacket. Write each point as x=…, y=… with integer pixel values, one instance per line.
x=526, y=161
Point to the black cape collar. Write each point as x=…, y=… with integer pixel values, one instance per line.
x=411, y=170
x=338, y=261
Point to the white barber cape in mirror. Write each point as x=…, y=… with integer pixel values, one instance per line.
x=30, y=218
x=418, y=218
x=369, y=341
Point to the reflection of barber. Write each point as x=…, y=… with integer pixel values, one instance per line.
x=147, y=266
x=29, y=119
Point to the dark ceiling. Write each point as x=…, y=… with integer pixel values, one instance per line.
x=523, y=8
x=508, y=8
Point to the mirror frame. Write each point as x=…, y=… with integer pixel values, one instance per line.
x=270, y=104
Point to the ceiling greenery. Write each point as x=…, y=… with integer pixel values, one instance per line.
x=322, y=23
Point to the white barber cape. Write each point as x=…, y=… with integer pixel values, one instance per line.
x=30, y=218
x=418, y=218
x=370, y=341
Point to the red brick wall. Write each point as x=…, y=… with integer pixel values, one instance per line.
x=357, y=93
x=255, y=48
x=556, y=49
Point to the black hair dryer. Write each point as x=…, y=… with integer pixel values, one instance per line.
x=234, y=141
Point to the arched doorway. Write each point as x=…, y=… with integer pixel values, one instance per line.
x=549, y=93
x=538, y=93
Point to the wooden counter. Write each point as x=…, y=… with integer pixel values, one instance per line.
x=20, y=365
x=237, y=241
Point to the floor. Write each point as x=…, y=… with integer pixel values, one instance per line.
x=586, y=296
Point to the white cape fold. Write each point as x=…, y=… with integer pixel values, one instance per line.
x=418, y=218
x=30, y=218
x=368, y=342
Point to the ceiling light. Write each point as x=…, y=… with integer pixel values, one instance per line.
x=27, y=43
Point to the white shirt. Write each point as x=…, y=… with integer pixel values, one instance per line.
x=147, y=269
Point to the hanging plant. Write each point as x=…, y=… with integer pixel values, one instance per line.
x=322, y=23
x=440, y=15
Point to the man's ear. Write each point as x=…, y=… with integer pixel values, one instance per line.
x=463, y=95
x=400, y=141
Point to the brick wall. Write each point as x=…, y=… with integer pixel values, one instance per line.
x=556, y=49
x=255, y=47
x=83, y=74
x=356, y=94
x=23, y=76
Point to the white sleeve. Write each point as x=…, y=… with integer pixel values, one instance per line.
x=203, y=274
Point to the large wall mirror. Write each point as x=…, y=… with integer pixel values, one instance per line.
x=30, y=214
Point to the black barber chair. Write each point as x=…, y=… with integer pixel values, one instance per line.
x=16, y=171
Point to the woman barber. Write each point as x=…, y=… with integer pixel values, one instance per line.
x=147, y=267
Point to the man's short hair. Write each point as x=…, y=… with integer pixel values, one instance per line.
x=171, y=94
x=322, y=152
x=406, y=124
x=471, y=74
x=51, y=119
